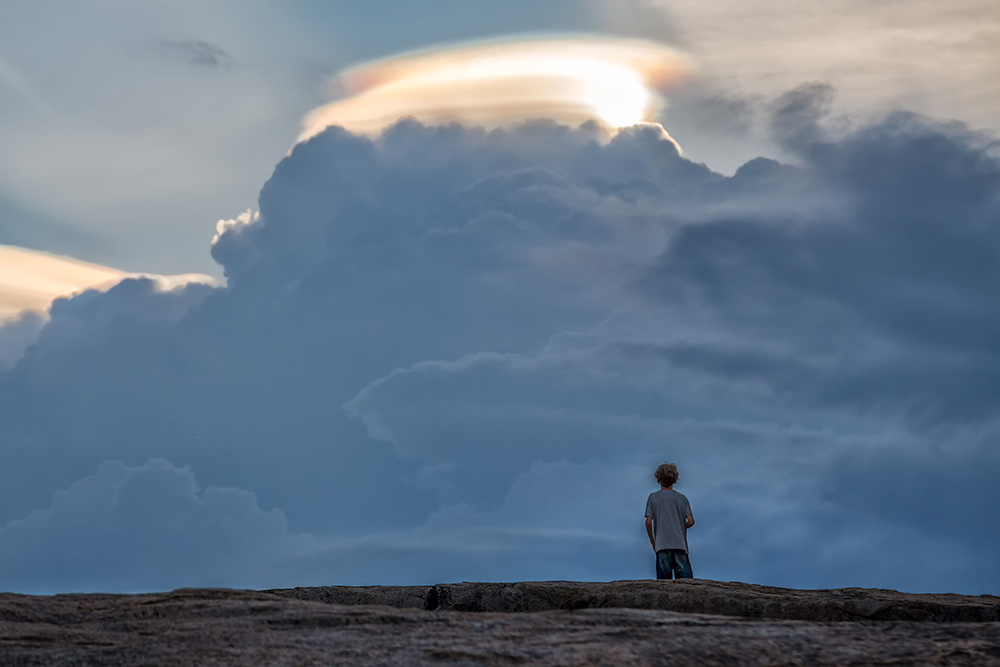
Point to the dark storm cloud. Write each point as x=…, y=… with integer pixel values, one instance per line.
x=885, y=300
x=445, y=342
x=776, y=502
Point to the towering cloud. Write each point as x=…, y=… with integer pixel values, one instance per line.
x=452, y=353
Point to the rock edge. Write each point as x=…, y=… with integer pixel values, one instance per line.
x=692, y=596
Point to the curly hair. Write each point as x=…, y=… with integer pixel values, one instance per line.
x=666, y=474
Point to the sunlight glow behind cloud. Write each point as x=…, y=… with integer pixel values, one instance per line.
x=615, y=82
x=32, y=280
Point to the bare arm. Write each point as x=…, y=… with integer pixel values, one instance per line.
x=649, y=531
x=688, y=521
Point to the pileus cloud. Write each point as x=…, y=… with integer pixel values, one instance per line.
x=615, y=82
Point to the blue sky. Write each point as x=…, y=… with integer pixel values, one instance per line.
x=448, y=354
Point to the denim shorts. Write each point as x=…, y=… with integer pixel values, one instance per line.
x=673, y=562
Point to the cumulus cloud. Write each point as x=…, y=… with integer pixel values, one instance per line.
x=149, y=526
x=16, y=334
x=31, y=280
x=791, y=499
x=152, y=526
x=882, y=302
x=447, y=352
x=245, y=218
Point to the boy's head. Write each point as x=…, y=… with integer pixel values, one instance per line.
x=666, y=474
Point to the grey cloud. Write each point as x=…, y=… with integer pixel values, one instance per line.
x=775, y=502
x=16, y=334
x=696, y=109
x=884, y=301
x=958, y=472
x=196, y=52
x=152, y=527
x=796, y=116
x=435, y=344
x=145, y=527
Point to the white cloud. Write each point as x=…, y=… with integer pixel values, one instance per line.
x=248, y=217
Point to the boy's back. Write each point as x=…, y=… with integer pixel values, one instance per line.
x=668, y=517
x=669, y=510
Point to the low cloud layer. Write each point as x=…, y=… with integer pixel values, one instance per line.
x=140, y=528
x=450, y=354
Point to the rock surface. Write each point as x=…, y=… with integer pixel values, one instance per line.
x=700, y=596
x=226, y=627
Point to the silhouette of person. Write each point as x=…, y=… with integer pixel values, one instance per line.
x=668, y=517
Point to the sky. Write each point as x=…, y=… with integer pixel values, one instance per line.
x=456, y=347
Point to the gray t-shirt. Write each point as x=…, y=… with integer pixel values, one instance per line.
x=669, y=509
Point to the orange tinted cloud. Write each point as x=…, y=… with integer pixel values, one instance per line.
x=32, y=280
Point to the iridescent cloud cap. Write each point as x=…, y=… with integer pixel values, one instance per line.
x=572, y=79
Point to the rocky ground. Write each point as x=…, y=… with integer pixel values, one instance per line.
x=546, y=623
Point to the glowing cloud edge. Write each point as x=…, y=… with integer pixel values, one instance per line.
x=569, y=78
x=32, y=279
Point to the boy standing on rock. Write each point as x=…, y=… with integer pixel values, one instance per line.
x=668, y=516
